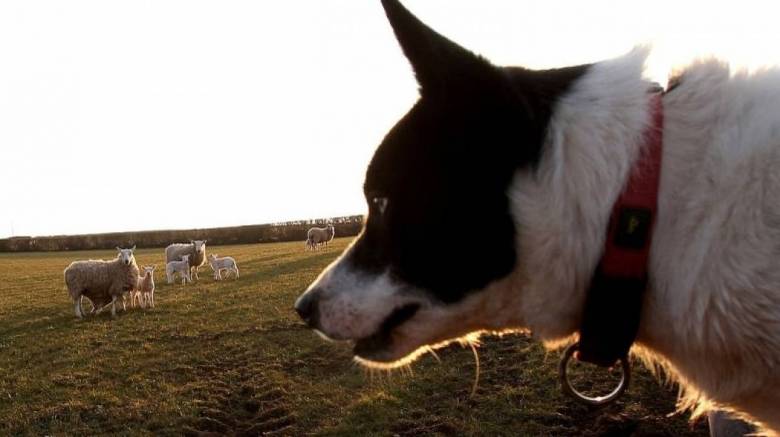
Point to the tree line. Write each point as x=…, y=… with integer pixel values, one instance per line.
x=267, y=233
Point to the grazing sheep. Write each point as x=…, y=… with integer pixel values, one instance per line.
x=196, y=249
x=182, y=267
x=102, y=282
x=145, y=291
x=219, y=264
x=318, y=237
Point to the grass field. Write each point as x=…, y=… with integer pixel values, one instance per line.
x=232, y=358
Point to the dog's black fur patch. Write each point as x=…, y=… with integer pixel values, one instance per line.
x=446, y=166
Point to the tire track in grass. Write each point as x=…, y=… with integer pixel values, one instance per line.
x=241, y=396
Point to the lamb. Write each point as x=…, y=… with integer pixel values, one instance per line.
x=102, y=282
x=144, y=293
x=317, y=237
x=219, y=264
x=196, y=249
x=183, y=267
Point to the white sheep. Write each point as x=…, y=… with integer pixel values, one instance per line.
x=182, y=267
x=196, y=249
x=144, y=293
x=219, y=264
x=318, y=237
x=102, y=282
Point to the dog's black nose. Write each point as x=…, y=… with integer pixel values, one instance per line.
x=307, y=307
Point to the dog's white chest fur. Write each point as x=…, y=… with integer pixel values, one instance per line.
x=712, y=315
x=716, y=256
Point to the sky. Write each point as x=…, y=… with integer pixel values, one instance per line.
x=176, y=114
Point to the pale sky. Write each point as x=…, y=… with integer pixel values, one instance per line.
x=171, y=114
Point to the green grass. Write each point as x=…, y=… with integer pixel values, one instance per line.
x=232, y=358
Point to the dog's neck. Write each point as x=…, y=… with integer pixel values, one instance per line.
x=562, y=208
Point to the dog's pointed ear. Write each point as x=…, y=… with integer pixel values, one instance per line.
x=438, y=63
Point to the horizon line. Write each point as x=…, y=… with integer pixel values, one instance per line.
x=182, y=229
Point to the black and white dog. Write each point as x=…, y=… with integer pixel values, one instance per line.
x=533, y=161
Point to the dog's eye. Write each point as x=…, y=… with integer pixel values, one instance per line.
x=380, y=203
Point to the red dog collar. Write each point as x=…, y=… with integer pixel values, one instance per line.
x=614, y=300
x=627, y=250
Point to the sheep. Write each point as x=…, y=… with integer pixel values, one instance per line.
x=135, y=294
x=219, y=264
x=317, y=237
x=183, y=267
x=144, y=293
x=196, y=249
x=102, y=282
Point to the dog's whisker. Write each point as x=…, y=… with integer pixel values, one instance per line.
x=367, y=373
x=476, y=370
x=434, y=354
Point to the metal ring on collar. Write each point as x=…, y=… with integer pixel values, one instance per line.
x=595, y=401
